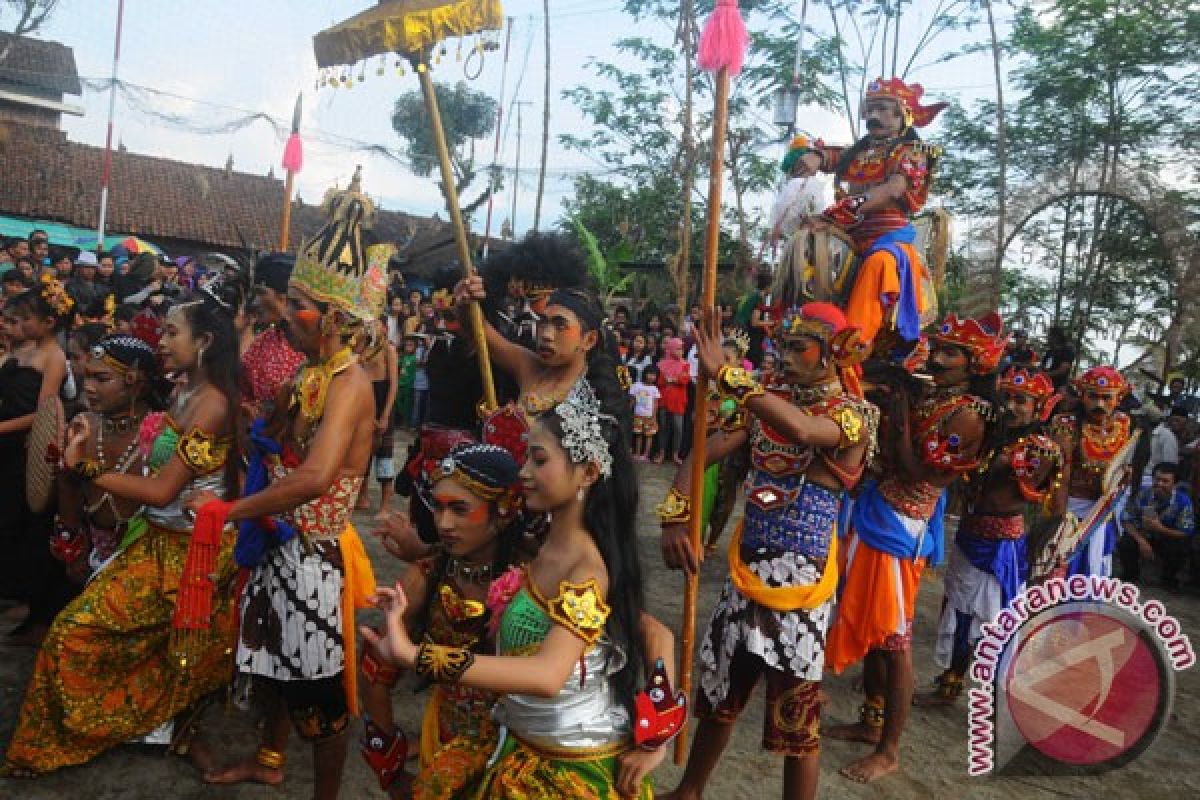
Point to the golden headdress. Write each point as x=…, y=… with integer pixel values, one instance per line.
x=333, y=267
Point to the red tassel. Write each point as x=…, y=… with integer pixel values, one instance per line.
x=293, y=154
x=724, y=40
x=197, y=584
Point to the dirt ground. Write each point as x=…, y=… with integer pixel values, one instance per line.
x=933, y=751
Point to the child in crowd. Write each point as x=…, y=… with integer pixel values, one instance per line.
x=637, y=359
x=645, y=396
x=420, y=386
x=674, y=376
x=408, y=378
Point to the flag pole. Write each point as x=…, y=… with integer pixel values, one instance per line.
x=293, y=161
x=722, y=49
x=106, y=178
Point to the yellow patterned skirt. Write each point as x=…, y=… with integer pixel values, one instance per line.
x=103, y=675
x=521, y=772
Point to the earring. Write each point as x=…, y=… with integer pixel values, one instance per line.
x=579, y=494
x=200, y=358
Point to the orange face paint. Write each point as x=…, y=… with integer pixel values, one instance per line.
x=308, y=319
x=475, y=516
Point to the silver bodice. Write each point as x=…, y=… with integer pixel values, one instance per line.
x=171, y=516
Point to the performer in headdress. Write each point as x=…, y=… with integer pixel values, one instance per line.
x=474, y=495
x=570, y=644
x=150, y=635
x=896, y=530
x=809, y=440
x=1091, y=438
x=988, y=563
x=308, y=568
x=885, y=179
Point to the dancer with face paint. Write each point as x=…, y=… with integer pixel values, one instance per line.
x=808, y=440
x=308, y=571
x=896, y=530
x=1091, y=438
x=887, y=175
x=988, y=563
x=474, y=495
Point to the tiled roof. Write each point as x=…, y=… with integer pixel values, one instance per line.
x=48, y=177
x=38, y=64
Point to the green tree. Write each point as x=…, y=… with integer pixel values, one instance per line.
x=468, y=115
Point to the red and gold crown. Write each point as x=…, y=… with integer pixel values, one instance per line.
x=909, y=98
x=982, y=338
x=1019, y=380
x=1102, y=379
x=826, y=323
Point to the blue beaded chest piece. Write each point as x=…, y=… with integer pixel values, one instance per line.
x=785, y=513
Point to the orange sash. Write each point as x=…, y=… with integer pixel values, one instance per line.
x=358, y=584
x=782, y=598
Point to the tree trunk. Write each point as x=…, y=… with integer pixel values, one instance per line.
x=537, y=208
x=997, y=276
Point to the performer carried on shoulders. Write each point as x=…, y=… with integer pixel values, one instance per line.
x=570, y=643
x=1091, y=438
x=150, y=635
x=896, y=530
x=308, y=568
x=808, y=441
x=474, y=495
x=988, y=563
x=885, y=179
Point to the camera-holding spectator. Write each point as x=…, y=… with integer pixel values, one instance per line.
x=1158, y=526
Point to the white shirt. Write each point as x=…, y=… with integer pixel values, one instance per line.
x=1164, y=447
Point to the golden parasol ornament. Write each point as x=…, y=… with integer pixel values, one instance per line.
x=413, y=30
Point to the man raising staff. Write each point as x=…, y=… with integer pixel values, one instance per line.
x=297, y=621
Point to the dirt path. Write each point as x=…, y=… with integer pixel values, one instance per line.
x=933, y=752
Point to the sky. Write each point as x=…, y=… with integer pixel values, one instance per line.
x=209, y=63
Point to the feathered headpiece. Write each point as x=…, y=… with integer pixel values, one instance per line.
x=982, y=338
x=798, y=147
x=909, y=98
x=1102, y=379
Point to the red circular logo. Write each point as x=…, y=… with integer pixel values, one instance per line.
x=1085, y=688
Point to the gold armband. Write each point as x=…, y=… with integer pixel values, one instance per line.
x=202, y=452
x=580, y=609
x=675, y=509
x=851, y=422
x=737, y=383
x=271, y=759
x=88, y=469
x=441, y=663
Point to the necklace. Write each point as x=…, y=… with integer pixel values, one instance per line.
x=312, y=385
x=472, y=573
x=125, y=460
x=808, y=395
x=121, y=424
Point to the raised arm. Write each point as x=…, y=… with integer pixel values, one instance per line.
x=517, y=361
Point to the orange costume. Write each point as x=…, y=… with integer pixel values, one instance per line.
x=889, y=288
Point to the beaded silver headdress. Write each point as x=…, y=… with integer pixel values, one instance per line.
x=582, y=431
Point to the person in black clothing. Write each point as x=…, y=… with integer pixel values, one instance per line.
x=1059, y=359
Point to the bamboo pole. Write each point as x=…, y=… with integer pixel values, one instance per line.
x=285, y=224
x=460, y=230
x=712, y=236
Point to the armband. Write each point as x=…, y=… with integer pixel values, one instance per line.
x=441, y=663
x=845, y=212
x=660, y=715
x=579, y=609
x=738, y=384
x=851, y=422
x=202, y=452
x=675, y=509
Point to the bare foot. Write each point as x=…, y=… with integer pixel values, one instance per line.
x=246, y=771
x=855, y=732
x=678, y=460
x=871, y=767
x=201, y=756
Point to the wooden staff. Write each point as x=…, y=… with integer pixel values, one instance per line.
x=722, y=49
x=293, y=159
x=460, y=230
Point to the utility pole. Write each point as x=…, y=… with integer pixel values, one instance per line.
x=517, y=167
x=537, y=208
x=106, y=177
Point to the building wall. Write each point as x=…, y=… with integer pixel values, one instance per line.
x=29, y=116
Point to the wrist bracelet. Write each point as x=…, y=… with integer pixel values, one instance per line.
x=739, y=384
x=675, y=509
x=441, y=663
x=88, y=469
